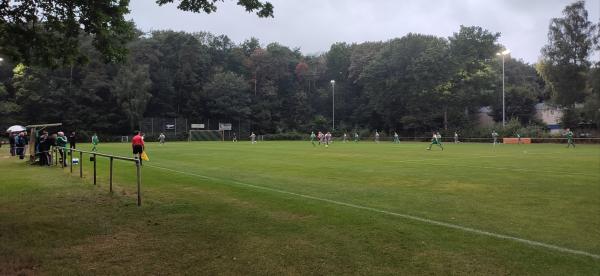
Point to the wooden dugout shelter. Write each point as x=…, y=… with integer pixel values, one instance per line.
x=32, y=137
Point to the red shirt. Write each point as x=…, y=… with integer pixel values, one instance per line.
x=137, y=140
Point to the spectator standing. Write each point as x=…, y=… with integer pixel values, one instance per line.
x=12, y=138
x=43, y=148
x=61, y=142
x=20, y=142
x=72, y=140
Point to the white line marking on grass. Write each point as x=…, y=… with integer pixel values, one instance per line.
x=415, y=218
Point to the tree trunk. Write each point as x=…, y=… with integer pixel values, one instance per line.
x=445, y=118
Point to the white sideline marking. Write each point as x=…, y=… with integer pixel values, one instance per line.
x=425, y=220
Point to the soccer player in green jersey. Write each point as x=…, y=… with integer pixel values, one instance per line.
x=569, y=135
x=61, y=142
x=436, y=140
x=495, y=136
x=95, y=142
x=396, y=138
x=312, y=138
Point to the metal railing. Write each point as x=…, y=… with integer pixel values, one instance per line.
x=70, y=152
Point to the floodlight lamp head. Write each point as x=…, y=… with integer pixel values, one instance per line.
x=503, y=53
x=332, y=82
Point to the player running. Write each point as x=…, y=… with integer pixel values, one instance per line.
x=161, y=139
x=345, y=137
x=456, y=138
x=327, y=139
x=495, y=137
x=253, y=138
x=234, y=139
x=569, y=135
x=396, y=138
x=312, y=138
x=356, y=137
x=436, y=140
x=376, y=137
x=519, y=139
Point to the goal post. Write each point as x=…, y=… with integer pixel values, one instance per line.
x=205, y=135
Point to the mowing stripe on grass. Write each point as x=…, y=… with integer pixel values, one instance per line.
x=415, y=218
x=494, y=168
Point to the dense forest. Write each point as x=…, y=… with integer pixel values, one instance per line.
x=413, y=84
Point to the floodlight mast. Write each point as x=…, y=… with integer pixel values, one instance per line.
x=333, y=104
x=503, y=54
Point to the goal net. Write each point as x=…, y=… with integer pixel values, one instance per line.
x=124, y=139
x=205, y=135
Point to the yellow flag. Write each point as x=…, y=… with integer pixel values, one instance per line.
x=145, y=156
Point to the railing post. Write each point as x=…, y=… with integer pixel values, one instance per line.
x=111, y=174
x=94, y=169
x=71, y=165
x=81, y=164
x=62, y=161
x=139, y=182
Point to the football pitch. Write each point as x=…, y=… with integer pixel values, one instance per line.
x=291, y=208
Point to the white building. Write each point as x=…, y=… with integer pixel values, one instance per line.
x=483, y=116
x=550, y=115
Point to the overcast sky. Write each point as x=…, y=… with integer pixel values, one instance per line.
x=313, y=25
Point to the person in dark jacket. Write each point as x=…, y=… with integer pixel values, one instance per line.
x=44, y=144
x=72, y=140
x=12, y=140
x=20, y=142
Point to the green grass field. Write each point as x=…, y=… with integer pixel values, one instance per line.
x=290, y=208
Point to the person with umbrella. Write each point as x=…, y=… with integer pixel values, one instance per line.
x=13, y=135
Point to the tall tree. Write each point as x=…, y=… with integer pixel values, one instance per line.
x=565, y=59
x=471, y=50
x=132, y=89
x=263, y=9
x=228, y=97
x=403, y=80
x=46, y=32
